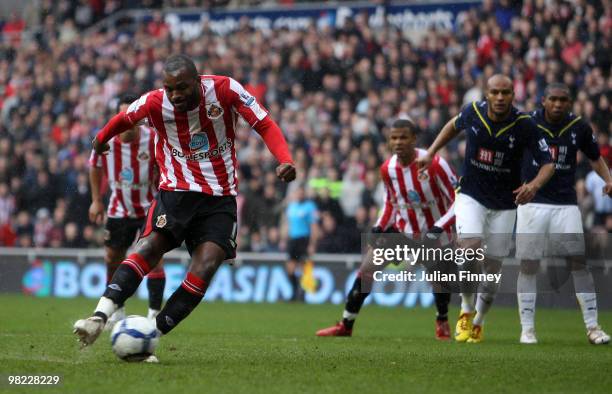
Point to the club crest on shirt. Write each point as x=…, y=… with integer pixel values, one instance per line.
x=143, y=156
x=214, y=111
x=423, y=176
x=161, y=221
x=199, y=141
x=127, y=174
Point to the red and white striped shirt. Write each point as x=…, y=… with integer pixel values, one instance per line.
x=196, y=149
x=129, y=167
x=415, y=203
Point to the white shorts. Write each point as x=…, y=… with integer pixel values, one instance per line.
x=547, y=230
x=493, y=226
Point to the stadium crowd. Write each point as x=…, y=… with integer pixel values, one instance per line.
x=333, y=91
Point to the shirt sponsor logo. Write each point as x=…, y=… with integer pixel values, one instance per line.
x=126, y=175
x=204, y=155
x=485, y=155
x=199, y=141
x=414, y=196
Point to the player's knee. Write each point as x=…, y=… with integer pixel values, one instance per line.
x=151, y=249
x=206, y=259
x=530, y=267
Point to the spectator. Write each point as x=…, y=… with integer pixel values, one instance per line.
x=333, y=91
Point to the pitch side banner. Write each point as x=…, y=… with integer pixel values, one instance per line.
x=407, y=17
x=258, y=281
x=250, y=281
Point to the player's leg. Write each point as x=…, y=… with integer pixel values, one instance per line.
x=570, y=242
x=162, y=233
x=442, y=295
x=297, y=250
x=156, y=282
x=532, y=226
x=354, y=300
x=113, y=256
x=206, y=259
x=124, y=284
x=470, y=221
x=210, y=238
x=498, y=241
x=526, y=292
x=587, y=299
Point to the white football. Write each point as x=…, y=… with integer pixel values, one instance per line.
x=134, y=338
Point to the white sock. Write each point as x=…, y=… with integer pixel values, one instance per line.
x=585, y=293
x=467, y=302
x=348, y=315
x=484, y=300
x=106, y=306
x=152, y=314
x=526, y=288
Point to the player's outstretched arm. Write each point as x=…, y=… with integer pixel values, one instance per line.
x=447, y=133
x=277, y=145
x=601, y=168
x=117, y=125
x=527, y=191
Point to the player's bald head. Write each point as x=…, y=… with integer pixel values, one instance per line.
x=177, y=64
x=499, y=82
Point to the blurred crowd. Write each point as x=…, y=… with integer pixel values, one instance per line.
x=333, y=91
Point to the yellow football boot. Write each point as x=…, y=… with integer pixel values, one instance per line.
x=476, y=336
x=463, y=329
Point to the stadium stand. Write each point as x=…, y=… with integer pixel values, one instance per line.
x=333, y=92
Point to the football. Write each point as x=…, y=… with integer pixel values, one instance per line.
x=134, y=338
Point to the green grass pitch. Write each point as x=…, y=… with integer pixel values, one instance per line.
x=272, y=348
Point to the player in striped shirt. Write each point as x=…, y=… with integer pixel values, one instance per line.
x=129, y=166
x=195, y=119
x=415, y=205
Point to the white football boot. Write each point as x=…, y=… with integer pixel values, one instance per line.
x=597, y=336
x=528, y=336
x=88, y=330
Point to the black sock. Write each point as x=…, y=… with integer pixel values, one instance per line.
x=123, y=285
x=354, y=302
x=178, y=307
x=156, y=292
x=293, y=279
x=442, y=300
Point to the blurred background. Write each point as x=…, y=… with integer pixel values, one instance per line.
x=334, y=75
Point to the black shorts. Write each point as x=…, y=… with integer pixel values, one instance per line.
x=297, y=248
x=121, y=233
x=195, y=218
